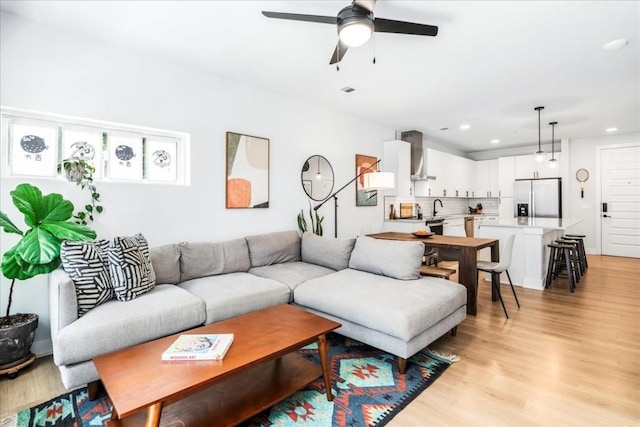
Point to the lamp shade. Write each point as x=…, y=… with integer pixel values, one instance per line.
x=379, y=180
x=354, y=32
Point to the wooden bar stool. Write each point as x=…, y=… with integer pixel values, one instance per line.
x=575, y=256
x=583, y=253
x=560, y=259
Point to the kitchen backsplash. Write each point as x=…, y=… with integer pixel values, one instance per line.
x=450, y=205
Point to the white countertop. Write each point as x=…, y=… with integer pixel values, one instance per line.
x=524, y=222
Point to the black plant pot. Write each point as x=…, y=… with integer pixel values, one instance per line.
x=16, y=338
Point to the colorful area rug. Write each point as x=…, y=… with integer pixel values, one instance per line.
x=367, y=387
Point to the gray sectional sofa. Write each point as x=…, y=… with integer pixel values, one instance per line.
x=372, y=287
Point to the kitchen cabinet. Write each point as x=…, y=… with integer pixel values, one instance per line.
x=397, y=159
x=506, y=208
x=507, y=174
x=453, y=227
x=486, y=178
x=453, y=174
x=526, y=167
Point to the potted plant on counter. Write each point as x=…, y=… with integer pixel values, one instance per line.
x=37, y=252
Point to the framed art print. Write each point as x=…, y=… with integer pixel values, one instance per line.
x=363, y=197
x=34, y=149
x=125, y=157
x=247, y=184
x=83, y=144
x=161, y=160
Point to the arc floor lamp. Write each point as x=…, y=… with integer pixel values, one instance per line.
x=373, y=180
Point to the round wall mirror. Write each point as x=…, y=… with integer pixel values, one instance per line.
x=317, y=178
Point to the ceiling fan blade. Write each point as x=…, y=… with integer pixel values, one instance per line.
x=341, y=49
x=298, y=17
x=365, y=4
x=401, y=27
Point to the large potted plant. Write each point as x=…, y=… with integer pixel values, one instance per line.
x=37, y=252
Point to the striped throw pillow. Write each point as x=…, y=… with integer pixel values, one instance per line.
x=130, y=267
x=87, y=265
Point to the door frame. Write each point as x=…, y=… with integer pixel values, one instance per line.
x=598, y=210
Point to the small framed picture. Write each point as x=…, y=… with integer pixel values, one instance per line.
x=161, y=160
x=34, y=148
x=125, y=156
x=247, y=183
x=85, y=145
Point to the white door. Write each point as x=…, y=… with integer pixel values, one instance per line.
x=620, y=208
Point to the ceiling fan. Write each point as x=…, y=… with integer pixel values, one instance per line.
x=356, y=23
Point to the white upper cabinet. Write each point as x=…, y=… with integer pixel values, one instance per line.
x=544, y=171
x=486, y=178
x=397, y=159
x=526, y=167
x=507, y=174
x=454, y=174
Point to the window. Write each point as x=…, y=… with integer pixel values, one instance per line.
x=35, y=143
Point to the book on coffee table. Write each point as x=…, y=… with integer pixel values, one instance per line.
x=199, y=347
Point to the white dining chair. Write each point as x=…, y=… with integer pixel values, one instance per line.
x=496, y=268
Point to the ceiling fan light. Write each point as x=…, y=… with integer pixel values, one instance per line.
x=355, y=33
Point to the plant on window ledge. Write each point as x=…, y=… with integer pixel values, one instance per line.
x=79, y=171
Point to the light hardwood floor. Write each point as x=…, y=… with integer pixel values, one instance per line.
x=561, y=360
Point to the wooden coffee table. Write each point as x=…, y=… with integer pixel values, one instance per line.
x=260, y=369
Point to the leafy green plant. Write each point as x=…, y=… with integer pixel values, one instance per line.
x=79, y=171
x=38, y=252
x=316, y=225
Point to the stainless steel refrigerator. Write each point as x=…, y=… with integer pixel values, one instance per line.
x=538, y=198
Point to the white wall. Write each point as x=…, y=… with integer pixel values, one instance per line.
x=583, y=154
x=44, y=69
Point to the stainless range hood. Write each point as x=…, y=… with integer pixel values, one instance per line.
x=418, y=155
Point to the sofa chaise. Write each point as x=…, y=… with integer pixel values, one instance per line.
x=372, y=287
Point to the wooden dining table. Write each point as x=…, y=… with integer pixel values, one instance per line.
x=468, y=248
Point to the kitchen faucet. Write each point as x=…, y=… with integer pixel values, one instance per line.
x=434, y=206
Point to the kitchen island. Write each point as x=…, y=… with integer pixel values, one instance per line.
x=530, y=255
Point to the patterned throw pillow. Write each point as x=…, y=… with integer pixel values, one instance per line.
x=87, y=265
x=130, y=267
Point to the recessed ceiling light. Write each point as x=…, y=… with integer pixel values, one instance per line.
x=615, y=44
x=612, y=129
x=495, y=141
x=347, y=89
x=465, y=127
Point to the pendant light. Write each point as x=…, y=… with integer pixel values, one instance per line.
x=318, y=175
x=553, y=162
x=539, y=154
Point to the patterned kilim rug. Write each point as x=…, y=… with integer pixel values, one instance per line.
x=368, y=391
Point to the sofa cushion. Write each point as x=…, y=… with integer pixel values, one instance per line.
x=326, y=251
x=274, y=248
x=402, y=309
x=87, y=265
x=114, y=325
x=165, y=261
x=233, y=294
x=291, y=273
x=130, y=267
x=397, y=259
x=201, y=259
